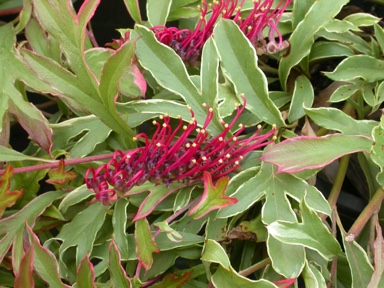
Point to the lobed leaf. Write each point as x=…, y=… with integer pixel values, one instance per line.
x=311, y=233
x=13, y=225
x=225, y=275
x=306, y=152
x=335, y=119
x=275, y=188
x=213, y=197
x=81, y=231
x=7, y=198
x=11, y=98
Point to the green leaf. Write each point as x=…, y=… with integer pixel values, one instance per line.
x=24, y=277
x=79, y=135
x=358, y=66
x=119, y=222
x=303, y=36
x=14, y=225
x=379, y=35
x=45, y=263
x=302, y=98
x=225, y=275
x=169, y=71
x=306, y=152
x=359, y=263
x=362, y=19
x=312, y=276
x=311, y=233
x=288, y=260
x=345, y=91
x=325, y=50
x=213, y=197
x=24, y=16
x=7, y=198
x=81, y=231
x=335, y=119
x=118, y=276
x=145, y=243
x=85, y=275
x=239, y=62
x=156, y=196
x=74, y=197
x=377, y=151
x=11, y=99
x=225, y=278
x=214, y=253
x=133, y=9
x=60, y=21
x=210, y=74
x=116, y=67
x=275, y=189
x=157, y=11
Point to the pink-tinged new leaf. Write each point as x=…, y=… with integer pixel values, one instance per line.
x=173, y=281
x=45, y=262
x=24, y=277
x=58, y=175
x=306, y=152
x=86, y=274
x=213, y=197
x=86, y=11
x=7, y=198
x=118, y=276
x=145, y=243
x=285, y=283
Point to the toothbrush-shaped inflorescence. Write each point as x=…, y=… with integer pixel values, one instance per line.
x=181, y=154
x=189, y=44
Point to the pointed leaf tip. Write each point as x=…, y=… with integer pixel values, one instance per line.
x=7, y=198
x=213, y=197
x=59, y=176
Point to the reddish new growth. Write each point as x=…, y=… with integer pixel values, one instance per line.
x=167, y=158
x=188, y=44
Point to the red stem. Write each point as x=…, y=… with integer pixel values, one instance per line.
x=55, y=164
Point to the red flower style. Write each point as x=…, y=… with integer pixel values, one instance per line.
x=166, y=158
x=189, y=44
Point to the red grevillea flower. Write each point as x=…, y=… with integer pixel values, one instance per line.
x=188, y=44
x=167, y=158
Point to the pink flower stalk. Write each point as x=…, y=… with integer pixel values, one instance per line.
x=167, y=158
x=189, y=44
